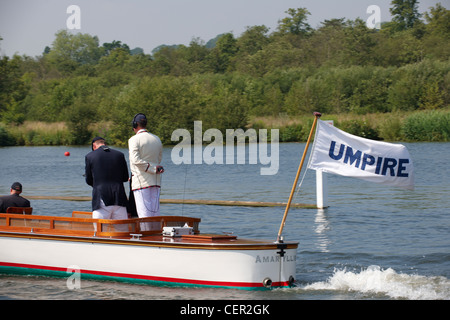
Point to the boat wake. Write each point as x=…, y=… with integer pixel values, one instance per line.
x=376, y=281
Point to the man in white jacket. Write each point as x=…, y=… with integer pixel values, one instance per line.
x=145, y=150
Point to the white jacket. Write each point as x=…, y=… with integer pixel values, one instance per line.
x=145, y=151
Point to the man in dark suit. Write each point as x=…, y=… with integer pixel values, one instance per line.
x=106, y=171
x=14, y=199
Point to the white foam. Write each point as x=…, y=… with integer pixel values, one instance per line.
x=375, y=280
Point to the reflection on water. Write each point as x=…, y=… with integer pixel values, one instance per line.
x=321, y=228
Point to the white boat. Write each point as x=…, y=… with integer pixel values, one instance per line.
x=119, y=250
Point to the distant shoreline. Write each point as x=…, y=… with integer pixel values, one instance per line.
x=415, y=126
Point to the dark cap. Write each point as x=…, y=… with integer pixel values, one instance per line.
x=16, y=186
x=94, y=140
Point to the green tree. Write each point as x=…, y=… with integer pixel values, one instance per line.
x=295, y=24
x=110, y=46
x=137, y=51
x=358, y=43
x=5, y=138
x=171, y=60
x=438, y=21
x=273, y=101
x=221, y=55
x=116, y=58
x=406, y=14
x=327, y=43
x=70, y=51
x=195, y=55
x=225, y=109
x=398, y=49
x=278, y=54
x=139, y=64
x=14, y=88
x=432, y=97
x=78, y=117
x=252, y=40
x=417, y=85
x=308, y=96
x=436, y=40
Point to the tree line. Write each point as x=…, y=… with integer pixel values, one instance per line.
x=341, y=67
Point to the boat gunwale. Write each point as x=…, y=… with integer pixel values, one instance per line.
x=241, y=244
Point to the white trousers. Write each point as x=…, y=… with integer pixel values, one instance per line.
x=147, y=205
x=111, y=212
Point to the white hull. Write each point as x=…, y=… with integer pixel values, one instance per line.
x=157, y=262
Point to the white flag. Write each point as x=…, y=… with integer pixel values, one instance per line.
x=339, y=152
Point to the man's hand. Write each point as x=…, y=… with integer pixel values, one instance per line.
x=159, y=169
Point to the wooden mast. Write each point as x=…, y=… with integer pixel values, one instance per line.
x=317, y=115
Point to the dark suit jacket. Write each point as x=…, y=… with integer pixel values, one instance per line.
x=106, y=171
x=13, y=200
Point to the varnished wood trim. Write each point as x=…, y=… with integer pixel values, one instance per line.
x=243, y=245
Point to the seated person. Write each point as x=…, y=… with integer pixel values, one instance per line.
x=14, y=199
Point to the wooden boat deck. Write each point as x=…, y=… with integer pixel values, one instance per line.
x=81, y=227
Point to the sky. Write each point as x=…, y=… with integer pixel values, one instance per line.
x=28, y=26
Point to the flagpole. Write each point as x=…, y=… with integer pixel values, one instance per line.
x=317, y=115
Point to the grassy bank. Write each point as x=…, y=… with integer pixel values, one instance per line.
x=401, y=126
x=39, y=133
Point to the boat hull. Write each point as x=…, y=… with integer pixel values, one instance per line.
x=250, y=265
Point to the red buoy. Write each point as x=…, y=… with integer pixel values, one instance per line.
x=67, y=153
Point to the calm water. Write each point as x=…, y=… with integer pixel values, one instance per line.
x=373, y=242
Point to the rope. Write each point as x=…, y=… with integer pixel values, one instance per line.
x=184, y=190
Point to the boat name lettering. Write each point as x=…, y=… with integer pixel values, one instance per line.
x=270, y=259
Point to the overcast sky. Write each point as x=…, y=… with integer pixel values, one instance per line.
x=27, y=26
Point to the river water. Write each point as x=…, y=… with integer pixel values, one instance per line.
x=373, y=242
